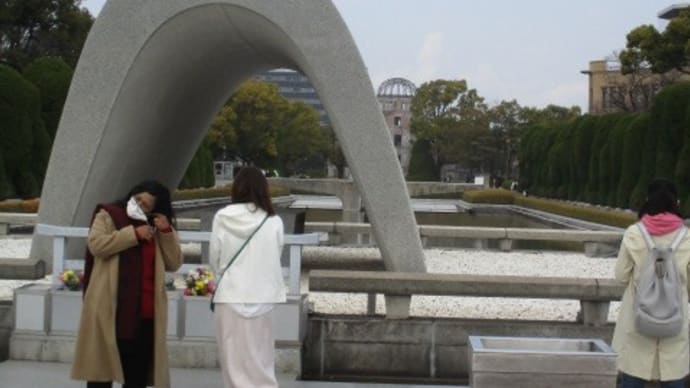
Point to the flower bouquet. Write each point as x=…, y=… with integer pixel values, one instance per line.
x=199, y=282
x=71, y=280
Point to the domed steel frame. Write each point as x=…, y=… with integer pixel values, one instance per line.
x=397, y=87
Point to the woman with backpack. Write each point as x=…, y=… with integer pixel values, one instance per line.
x=245, y=248
x=651, y=347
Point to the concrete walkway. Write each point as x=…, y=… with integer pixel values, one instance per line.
x=26, y=374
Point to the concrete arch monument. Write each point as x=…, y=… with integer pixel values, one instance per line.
x=153, y=74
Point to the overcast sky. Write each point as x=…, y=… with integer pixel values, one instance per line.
x=529, y=50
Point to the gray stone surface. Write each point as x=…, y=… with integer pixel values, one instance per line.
x=153, y=74
x=424, y=349
x=399, y=284
x=22, y=269
x=25, y=374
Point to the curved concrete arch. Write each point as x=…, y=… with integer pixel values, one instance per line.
x=153, y=74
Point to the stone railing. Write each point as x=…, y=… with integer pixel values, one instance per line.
x=61, y=233
x=592, y=239
x=7, y=219
x=594, y=294
x=30, y=219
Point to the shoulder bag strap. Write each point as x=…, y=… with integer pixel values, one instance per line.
x=679, y=237
x=235, y=257
x=645, y=234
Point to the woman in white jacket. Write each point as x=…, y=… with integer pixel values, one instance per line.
x=251, y=285
x=642, y=358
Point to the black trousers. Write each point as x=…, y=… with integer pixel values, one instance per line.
x=136, y=357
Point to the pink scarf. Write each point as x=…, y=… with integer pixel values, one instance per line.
x=661, y=223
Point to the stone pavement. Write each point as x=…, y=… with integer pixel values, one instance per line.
x=27, y=374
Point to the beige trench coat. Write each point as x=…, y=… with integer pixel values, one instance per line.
x=96, y=356
x=645, y=357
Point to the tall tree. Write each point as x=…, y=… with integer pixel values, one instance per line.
x=259, y=126
x=506, y=125
x=222, y=137
x=435, y=114
x=299, y=138
x=259, y=114
x=659, y=51
x=453, y=122
x=35, y=28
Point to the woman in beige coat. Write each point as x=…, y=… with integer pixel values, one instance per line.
x=642, y=358
x=122, y=331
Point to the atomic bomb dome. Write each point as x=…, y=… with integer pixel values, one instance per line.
x=397, y=87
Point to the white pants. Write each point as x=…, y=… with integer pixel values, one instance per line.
x=246, y=349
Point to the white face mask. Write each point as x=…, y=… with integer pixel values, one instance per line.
x=134, y=210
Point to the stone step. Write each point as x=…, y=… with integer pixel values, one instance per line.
x=22, y=269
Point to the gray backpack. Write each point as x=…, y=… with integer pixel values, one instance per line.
x=658, y=302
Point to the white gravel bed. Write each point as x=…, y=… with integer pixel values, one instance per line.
x=544, y=264
x=12, y=247
x=521, y=263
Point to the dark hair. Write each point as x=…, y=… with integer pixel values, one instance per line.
x=160, y=192
x=250, y=186
x=662, y=197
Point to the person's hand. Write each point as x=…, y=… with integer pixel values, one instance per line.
x=144, y=232
x=161, y=222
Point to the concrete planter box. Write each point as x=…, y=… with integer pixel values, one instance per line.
x=289, y=319
x=540, y=362
x=65, y=312
x=32, y=309
x=198, y=321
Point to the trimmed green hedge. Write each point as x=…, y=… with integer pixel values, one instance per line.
x=24, y=142
x=610, y=159
x=585, y=213
x=493, y=196
x=31, y=205
x=52, y=76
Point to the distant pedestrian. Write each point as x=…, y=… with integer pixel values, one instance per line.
x=643, y=358
x=246, y=243
x=122, y=330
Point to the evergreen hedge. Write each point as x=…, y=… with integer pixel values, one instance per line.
x=24, y=143
x=610, y=159
x=52, y=76
x=587, y=213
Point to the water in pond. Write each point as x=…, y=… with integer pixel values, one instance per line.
x=490, y=218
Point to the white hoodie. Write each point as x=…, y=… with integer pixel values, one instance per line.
x=256, y=275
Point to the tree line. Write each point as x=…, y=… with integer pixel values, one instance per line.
x=452, y=124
